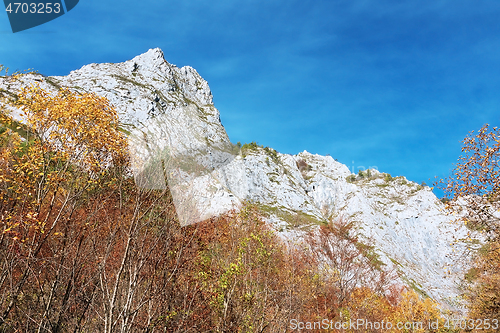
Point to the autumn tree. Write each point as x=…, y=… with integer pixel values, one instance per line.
x=419, y=315
x=253, y=282
x=346, y=262
x=474, y=190
x=82, y=248
x=51, y=162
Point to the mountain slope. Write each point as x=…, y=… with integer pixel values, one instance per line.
x=172, y=123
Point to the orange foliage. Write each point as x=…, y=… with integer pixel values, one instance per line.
x=474, y=188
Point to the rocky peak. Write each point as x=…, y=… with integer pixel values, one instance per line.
x=152, y=59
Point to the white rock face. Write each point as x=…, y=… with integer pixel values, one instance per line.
x=172, y=107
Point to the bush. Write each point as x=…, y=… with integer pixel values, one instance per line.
x=273, y=154
x=247, y=147
x=351, y=178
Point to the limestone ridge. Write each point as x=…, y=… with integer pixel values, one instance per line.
x=175, y=130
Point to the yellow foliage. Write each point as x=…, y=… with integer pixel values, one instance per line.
x=483, y=296
x=420, y=313
x=82, y=128
x=65, y=142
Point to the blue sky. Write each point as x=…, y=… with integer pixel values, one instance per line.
x=391, y=84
